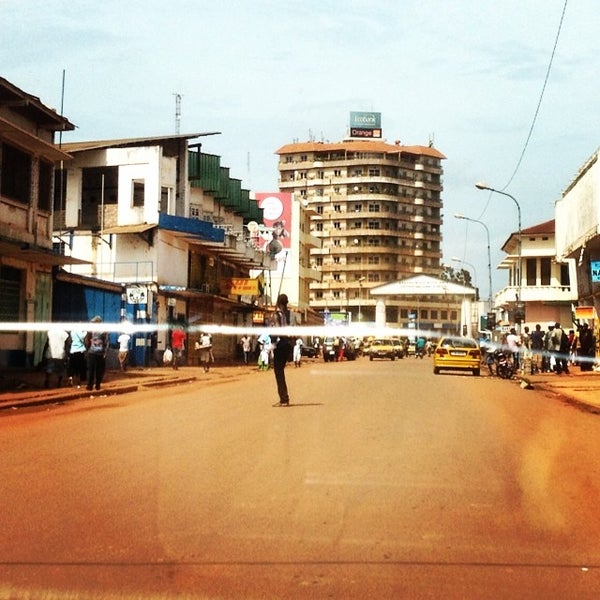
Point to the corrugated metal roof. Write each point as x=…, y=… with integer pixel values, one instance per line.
x=124, y=142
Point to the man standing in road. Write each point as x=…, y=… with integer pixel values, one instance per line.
x=283, y=349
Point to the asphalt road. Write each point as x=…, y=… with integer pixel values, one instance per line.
x=381, y=480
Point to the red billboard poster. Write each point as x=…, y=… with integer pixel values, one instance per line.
x=273, y=235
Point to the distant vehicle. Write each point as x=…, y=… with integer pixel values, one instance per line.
x=457, y=353
x=329, y=349
x=382, y=348
x=308, y=351
x=398, y=348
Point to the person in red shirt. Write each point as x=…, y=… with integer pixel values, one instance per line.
x=177, y=345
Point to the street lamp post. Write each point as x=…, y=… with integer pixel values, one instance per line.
x=360, y=280
x=459, y=216
x=485, y=186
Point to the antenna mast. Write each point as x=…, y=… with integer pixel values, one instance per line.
x=177, y=112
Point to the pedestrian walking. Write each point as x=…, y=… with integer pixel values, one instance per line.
x=246, y=342
x=77, y=367
x=177, y=345
x=282, y=350
x=56, y=352
x=123, y=341
x=204, y=346
x=96, y=343
x=264, y=353
x=297, y=355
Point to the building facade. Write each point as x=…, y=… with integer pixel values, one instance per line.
x=548, y=285
x=578, y=230
x=28, y=156
x=377, y=210
x=165, y=223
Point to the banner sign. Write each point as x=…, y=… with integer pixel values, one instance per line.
x=238, y=286
x=595, y=270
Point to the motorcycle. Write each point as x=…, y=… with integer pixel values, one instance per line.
x=503, y=365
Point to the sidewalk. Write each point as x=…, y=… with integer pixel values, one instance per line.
x=24, y=388
x=579, y=388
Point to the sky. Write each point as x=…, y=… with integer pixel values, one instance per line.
x=507, y=90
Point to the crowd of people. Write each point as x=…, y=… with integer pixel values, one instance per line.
x=80, y=354
x=553, y=350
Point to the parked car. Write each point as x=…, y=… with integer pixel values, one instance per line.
x=457, y=353
x=308, y=351
x=382, y=348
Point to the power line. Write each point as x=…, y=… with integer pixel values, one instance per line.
x=537, y=110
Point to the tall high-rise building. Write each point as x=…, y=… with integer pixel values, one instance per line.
x=377, y=208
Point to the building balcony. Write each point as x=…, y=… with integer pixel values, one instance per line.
x=541, y=293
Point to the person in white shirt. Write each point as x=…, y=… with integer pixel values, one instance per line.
x=56, y=352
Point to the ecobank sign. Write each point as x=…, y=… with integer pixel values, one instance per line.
x=365, y=125
x=365, y=120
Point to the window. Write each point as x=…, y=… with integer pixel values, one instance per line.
x=337, y=208
x=165, y=195
x=15, y=181
x=545, y=271
x=374, y=208
x=531, y=268
x=320, y=210
x=138, y=193
x=337, y=173
x=45, y=186
x=565, y=279
x=10, y=293
x=319, y=227
x=337, y=225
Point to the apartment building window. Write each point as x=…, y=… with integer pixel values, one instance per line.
x=373, y=260
x=373, y=277
x=531, y=270
x=320, y=174
x=303, y=157
x=336, y=260
x=337, y=225
x=374, y=208
x=433, y=314
x=337, y=243
x=15, y=180
x=357, y=207
x=374, y=225
x=357, y=173
x=444, y=315
x=374, y=172
x=357, y=225
x=337, y=208
x=320, y=210
x=337, y=173
x=319, y=227
x=545, y=270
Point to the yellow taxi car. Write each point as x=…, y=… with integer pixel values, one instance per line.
x=382, y=348
x=457, y=353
